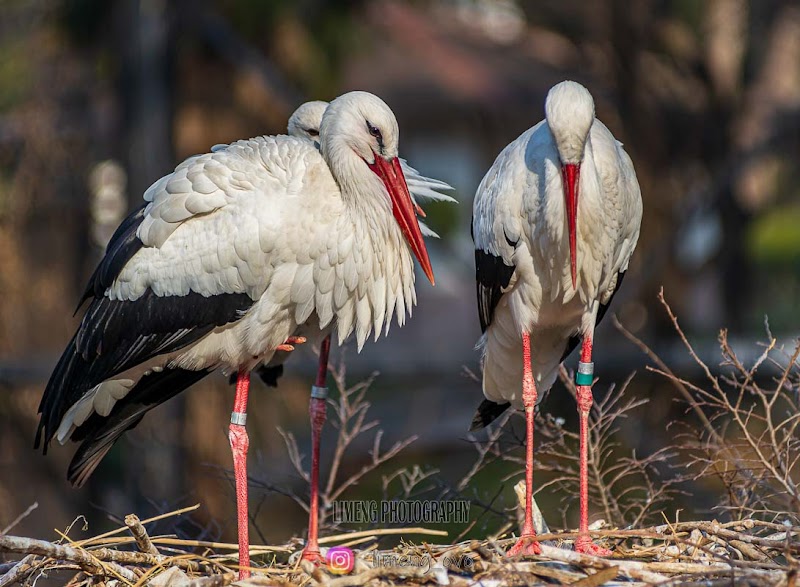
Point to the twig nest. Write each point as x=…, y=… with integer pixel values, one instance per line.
x=598, y=525
x=172, y=577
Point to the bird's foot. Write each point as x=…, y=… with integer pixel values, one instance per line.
x=584, y=545
x=525, y=545
x=288, y=345
x=313, y=555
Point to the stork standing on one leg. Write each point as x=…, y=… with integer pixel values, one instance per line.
x=233, y=256
x=555, y=222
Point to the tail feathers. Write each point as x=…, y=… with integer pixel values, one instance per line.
x=487, y=413
x=98, y=434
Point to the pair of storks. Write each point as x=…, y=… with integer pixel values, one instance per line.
x=244, y=252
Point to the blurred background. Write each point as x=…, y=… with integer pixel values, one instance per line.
x=99, y=99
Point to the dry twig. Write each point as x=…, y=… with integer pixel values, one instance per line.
x=749, y=437
x=139, y=534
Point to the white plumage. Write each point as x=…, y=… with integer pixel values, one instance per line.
x=555, y=221
x=519, y=217
x=305, y=122
x=261, y=239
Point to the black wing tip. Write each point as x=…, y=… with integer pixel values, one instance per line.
x=80, y=304
x=37, y=440
x=62, y=389
x=84, y=463
x=487, y=413
x=98, y=434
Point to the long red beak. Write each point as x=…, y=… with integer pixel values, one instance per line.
x=570, y=175
x=403, y=208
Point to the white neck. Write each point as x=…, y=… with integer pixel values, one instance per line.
x=378, y=260
x=366, y=200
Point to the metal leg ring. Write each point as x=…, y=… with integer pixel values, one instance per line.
x=319, y=392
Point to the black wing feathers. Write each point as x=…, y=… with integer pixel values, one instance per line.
x=124, y=244
x=133, y=331
x=116, y=335
x=491, y=276
x=98, y=434
x=270, y=375
x=487, y=413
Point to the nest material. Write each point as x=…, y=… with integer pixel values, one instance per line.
x=745, y=552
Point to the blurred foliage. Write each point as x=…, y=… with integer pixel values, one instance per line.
x=774, y=238
x=15, y=72
x=309, y=39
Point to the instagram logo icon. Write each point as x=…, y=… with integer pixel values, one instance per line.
x=340, y=560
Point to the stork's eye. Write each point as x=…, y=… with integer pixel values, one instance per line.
x=314, y=132
x=374, y=131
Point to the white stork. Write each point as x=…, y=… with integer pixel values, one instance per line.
x=555, y=222
x=304, y=123
x=234, y=255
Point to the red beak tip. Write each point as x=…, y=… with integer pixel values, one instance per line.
x=404, y=209
x=428, y=271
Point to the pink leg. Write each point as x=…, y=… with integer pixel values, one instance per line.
x=584, y=377
x=237, y=434
x=317, y=410
x=524, y=545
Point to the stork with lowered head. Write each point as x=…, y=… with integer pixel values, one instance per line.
x=555, y=222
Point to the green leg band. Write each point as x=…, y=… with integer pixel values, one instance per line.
x=585, y=373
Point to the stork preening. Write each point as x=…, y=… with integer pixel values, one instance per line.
x=235, y=256
x=305, y=122
x=555, y=222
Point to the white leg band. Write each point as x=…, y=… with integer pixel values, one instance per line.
x=319, y=392
x=239, y=418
